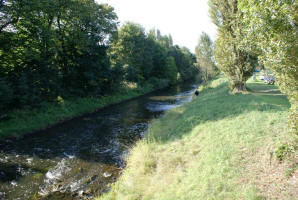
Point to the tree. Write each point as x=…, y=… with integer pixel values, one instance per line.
x=205, y=58
x=72, y=48
x=54, y=48
x=10, y=12
x=83, y=34
x=159, y=55
x=128, y=49
x=171, y=70
x=148, y=56
x=237, y=63
x=271, y=26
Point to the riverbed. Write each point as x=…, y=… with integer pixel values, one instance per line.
x=81, y=158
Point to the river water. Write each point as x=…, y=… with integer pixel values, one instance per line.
x=82, y=157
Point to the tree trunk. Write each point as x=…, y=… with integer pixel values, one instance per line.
x=238, y=87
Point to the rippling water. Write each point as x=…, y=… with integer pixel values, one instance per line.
x=81, y=158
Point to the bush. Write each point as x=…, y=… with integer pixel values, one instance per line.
x=284, y=150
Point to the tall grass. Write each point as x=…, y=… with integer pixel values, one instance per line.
x=202, y=149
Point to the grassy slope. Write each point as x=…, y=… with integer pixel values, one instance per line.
x=28, y=120
x=215, y=147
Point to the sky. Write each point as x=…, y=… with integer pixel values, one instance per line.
x=185, y=20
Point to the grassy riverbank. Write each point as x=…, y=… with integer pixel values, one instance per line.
x=219, y=146
x=28, y=119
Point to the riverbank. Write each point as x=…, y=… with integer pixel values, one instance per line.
x=29, y=120
x=219, y=146
x=82, y=157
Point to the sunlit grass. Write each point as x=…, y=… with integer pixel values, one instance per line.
x=202, y=150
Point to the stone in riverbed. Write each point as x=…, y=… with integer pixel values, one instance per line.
x=80, y=193
x=107, y=174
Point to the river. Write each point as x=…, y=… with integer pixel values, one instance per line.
x=81, y=158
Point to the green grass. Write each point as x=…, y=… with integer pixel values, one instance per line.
x=28, y=120
x=208, y=148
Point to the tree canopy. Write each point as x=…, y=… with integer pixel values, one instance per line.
x=51, y=48
x=271, y=29
x=252, y=32
x=205, y=57
x=234, y=60
x=147, y=57
x=74, y=48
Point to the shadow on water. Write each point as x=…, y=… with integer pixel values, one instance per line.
x=209, y=107
x=80, y=158
x=12, y=171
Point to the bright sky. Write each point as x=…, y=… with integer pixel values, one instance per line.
x=183, y=19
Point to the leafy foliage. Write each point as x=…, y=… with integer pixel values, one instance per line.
x=234, y=60
x=72, y=48
x=150, y=57
x=54, y=48
x=205, y=57
x=271, y=26
x=171, y=68
x=284, y=150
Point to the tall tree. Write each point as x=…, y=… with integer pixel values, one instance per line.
x=128, y=49
x=272, y=27
x=159, y=55
x=50, y=48
x=205, y=57
x=237, y=63
x=82, y=33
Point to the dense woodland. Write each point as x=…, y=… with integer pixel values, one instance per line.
x=75, y=48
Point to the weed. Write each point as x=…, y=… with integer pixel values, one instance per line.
x=284, y=150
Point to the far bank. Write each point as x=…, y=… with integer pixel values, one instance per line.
x=30, y=120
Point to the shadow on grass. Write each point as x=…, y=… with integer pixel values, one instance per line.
x=215, y=104
x=262, y=89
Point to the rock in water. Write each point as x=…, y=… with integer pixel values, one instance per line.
x=107, y=174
